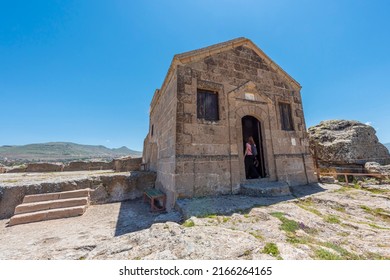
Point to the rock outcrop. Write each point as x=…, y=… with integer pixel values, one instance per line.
x=374, y=167
x=347, y=142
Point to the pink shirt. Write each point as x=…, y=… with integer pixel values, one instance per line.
x=248, y=149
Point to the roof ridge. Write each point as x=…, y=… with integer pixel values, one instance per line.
x=214, y=46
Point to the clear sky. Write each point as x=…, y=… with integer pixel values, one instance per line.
x=85, y=71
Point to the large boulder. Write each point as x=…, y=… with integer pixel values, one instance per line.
x=347, y=142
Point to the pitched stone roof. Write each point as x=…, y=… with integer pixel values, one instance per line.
x=198, y=54
x=216, y=48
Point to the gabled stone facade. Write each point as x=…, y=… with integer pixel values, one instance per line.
x=197, y=157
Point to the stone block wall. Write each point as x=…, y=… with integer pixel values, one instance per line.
x=127, y=164
x=159, y=148
x=295, y=169
x=119, y=165
x=58, y=167
x=106, y=189
x=203, y=176
x=88, y=165
x=44, y=167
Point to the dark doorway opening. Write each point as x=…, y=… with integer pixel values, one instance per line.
x=251, y=127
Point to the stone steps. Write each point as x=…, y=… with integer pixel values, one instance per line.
x=47, y=215
x=57, y=195
x=264, y=188
x=41, y=207
x=50, y=204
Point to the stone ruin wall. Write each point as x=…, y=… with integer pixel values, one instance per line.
x=159, y=146
x=105, y=189
x=119, y=165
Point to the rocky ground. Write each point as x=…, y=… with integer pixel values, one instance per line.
x=325, y=221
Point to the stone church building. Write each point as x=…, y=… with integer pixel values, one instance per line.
x=211, y=100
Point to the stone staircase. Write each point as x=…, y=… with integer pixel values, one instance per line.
x=49, y=206
x=264, y=188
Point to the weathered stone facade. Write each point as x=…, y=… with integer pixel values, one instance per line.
x=196, y=157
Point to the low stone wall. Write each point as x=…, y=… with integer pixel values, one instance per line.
x=127, y=164
x=119, y=165
x=88, y=165
x=44, y=167
x=18, y=169
x=107, y=188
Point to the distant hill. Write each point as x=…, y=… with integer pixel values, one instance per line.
x=61, y=151
x=387, y=145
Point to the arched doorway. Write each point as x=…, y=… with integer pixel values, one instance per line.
x=252, y=127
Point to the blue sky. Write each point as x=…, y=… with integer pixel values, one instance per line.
x=85, y=71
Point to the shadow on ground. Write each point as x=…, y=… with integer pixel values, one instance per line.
x=301, y=191
x=229, y=204
x=134, y=215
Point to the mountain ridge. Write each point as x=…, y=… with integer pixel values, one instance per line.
x=62, y=152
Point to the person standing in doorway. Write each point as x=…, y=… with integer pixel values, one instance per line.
x=250, y=154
